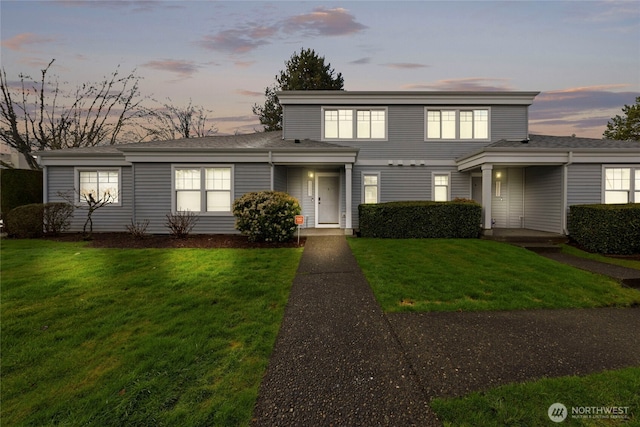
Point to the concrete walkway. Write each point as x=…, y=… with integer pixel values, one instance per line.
x=339, y=360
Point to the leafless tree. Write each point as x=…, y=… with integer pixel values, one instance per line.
x=172, y=122
x=39, y=115
x=88, y=202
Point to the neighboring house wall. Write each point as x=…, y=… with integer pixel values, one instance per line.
x=543, y=198
x=61, y=179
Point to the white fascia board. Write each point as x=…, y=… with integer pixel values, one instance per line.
x=407, y=98
x=548, y=157
x=311, y=158
x=83, y=161
x=192, y=156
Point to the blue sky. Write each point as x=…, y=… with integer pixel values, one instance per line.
x=584, y=56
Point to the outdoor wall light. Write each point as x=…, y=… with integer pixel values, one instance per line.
x=498, y=175
x=310, y=174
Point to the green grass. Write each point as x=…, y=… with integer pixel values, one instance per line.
x=629, y=263
x=449, y=275
x=526, y=404
x=137, y=337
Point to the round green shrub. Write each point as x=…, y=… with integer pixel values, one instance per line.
x=26, y=222
x=266, y=216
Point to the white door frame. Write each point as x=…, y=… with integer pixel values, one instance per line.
x=318, y=176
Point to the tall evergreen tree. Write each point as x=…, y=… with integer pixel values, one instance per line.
x=305, y=70
x=625, y=127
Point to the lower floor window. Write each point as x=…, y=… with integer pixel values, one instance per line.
x=101, y=185
x=621, y=185
x=370, y=188
x=440, y=187
x=203, y=189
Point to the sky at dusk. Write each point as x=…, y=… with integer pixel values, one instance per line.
x=583, y=56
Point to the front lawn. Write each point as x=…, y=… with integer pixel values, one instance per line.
x=595, y=398
x=137, y=337
x=458, y=274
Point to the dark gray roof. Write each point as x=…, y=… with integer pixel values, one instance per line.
x=564, y=142
x=253, y=142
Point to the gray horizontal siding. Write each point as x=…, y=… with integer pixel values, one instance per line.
x=584, y=184
x=405, y=131
x=154, y=198
x=302, y=122
x=60, y=179
x=509, y=122
x=153, y=195
x=543, y=198
x=280, y=178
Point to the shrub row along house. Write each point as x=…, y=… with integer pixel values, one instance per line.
x=339, y=149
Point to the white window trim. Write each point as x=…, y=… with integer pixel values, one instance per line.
x=634, y=168
x=355, y=110
x=203, y=191
x=457, y=109
x=433, y=184
x=372, y=173
x=76, y=180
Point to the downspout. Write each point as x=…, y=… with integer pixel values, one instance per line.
x=45, y=185
x=565, y=186
x=272, y=171
x=133, y=192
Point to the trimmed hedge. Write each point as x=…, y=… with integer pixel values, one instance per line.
x=421, y=219
x=19, y=187
x=267, y=216
x=606, y=229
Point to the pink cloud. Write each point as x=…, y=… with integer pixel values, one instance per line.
x=467, y=84
x=21, y=41
x=405, y=65
x=248, y=92
x=324, y=22
x=247, y=37
x=178, y=66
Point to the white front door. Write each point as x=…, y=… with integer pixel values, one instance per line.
x=327, y=200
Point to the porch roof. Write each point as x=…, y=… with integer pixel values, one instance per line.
x=552, y=150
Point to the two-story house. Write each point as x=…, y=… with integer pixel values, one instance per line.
x=339, y=149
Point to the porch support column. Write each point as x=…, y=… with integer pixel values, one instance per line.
x=348, y=225
x=487, y=172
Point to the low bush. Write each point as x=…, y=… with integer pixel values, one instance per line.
x=180, y=224
x=420, y=219
x=267, y=216
x=56, y=217
x=606, y=229
x=26, y=222
x=138, y=229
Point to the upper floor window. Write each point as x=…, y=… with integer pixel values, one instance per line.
x=355, y=123
x=457, y=124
